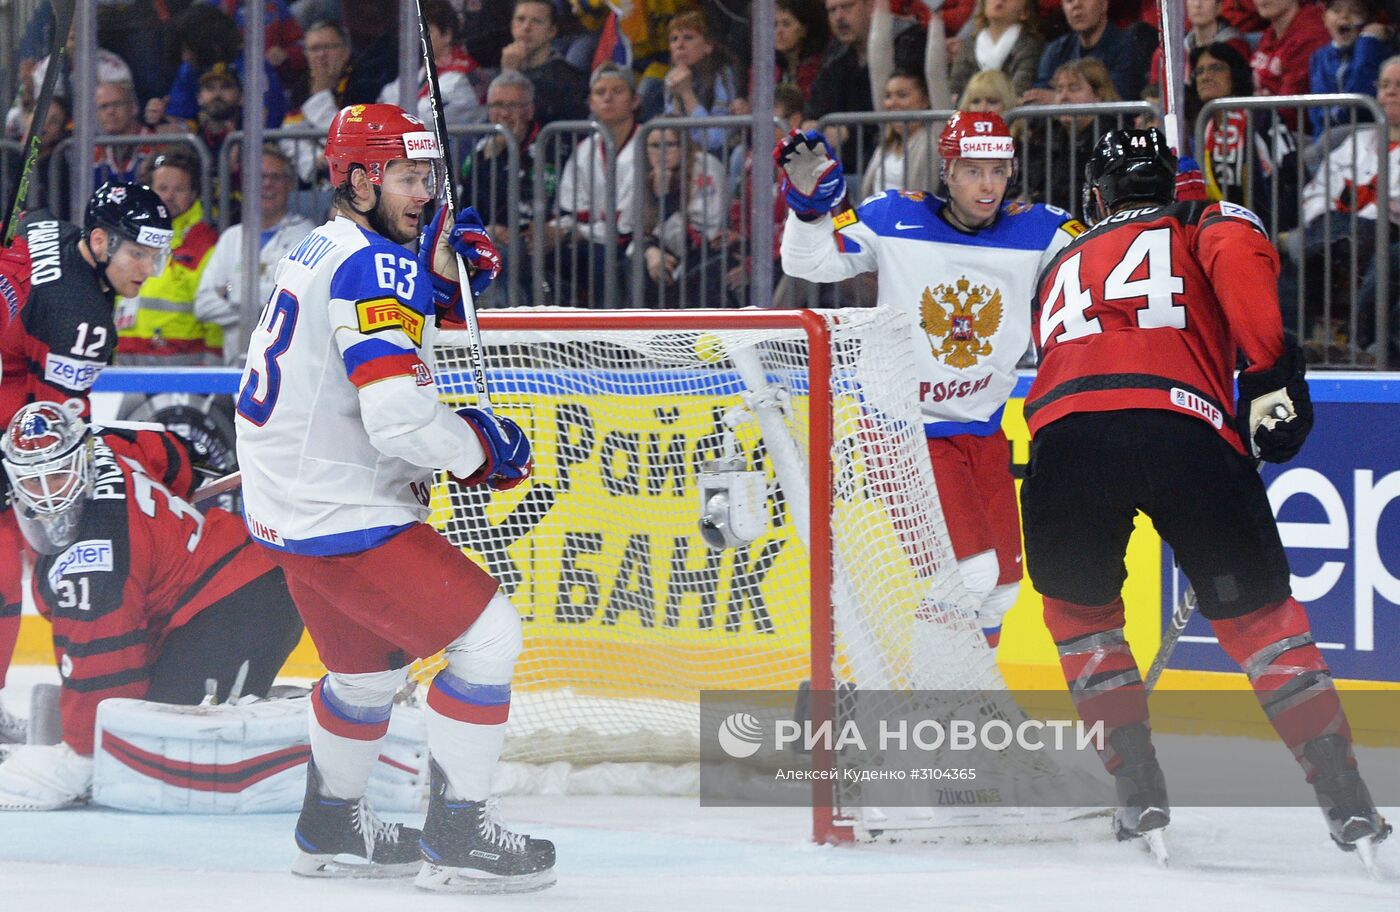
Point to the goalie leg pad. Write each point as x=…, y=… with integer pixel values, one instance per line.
x=469, y=701
x=1275, y=647
x=349, y=719
x=1099, y=667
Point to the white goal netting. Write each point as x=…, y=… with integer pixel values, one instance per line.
x=628, y=613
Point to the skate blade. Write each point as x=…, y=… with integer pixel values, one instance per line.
x=1156, y=843
x=442, y=879
x=1366, y=851
x=308, y=865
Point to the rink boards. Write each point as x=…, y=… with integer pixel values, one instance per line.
x=1334, y=504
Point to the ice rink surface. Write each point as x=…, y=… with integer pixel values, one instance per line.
x=671, y=855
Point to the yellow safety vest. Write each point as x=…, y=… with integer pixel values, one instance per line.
x=160, y=320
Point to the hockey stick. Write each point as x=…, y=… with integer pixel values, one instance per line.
x=58, y=50
x=474, y=344
x=1186, y=607
x=1173, y=30
x=230, y=482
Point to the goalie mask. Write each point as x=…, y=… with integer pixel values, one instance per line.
x=47, y=453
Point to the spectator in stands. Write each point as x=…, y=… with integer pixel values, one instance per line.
x=117, y=115
x=486, y=174
x=561, y=90
x=643, y=28
x=989, y=90
x=799, y=39
x=219, y=294
x=1243, y=152
x=613, y=101
x=843, y=83
x=1207, y=27
x=1340, y=216
x=487, y=24
x=1006, y=37
x=1351, y=62
x=333, y=84
x=907, y=157
x=135, y=31
x=1280, y=63
x=283, y=41
x=373, y=28
x=702, y=81
x=209, y=41
x=220, y=111
x=1058, y=151
x=110, y=68
x=681, y=240
x=158, y=326
x=1125, y=53
x=454, y=66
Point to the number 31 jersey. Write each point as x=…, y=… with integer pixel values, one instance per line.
x=339, y=424
x=1147, y=310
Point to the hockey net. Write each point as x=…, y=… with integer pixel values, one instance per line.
x=628, y=614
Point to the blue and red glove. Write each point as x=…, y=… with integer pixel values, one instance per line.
x=1190, y=184
x=508, y=460
x=815, y=180
x=467, y=236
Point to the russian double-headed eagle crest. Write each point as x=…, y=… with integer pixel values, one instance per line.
x=962, y=315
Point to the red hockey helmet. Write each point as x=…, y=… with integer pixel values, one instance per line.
x=372, y=135
x=976, y=134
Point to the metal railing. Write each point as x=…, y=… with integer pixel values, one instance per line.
x=1270, y=150
x=233, y=141
x=566, y=252
x=156, y=141
x=1052, y=154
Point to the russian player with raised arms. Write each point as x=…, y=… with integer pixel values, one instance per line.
x=965, y=269
x=1133, y=408
x=340, y=434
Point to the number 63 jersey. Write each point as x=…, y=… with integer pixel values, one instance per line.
x=340, y=429
x=1148, y=309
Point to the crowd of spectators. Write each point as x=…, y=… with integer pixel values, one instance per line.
x=518, y=66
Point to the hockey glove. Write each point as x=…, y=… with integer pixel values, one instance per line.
x=508, y=460
x=816, y=182
x=1275, y=413
x=1190, y=185
x=44, y=777
x=437, y=256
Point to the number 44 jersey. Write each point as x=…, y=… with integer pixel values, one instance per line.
x=339, y=424
x=1147, y=310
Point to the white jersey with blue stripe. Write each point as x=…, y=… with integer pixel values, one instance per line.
x=340, y=427
x=968, y=291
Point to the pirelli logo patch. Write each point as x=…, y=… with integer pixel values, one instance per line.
x=378, y=314
x=846, y=218
x=1073, y=227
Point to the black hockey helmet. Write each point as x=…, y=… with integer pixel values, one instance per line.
x=1130, y=166
x=133, y=211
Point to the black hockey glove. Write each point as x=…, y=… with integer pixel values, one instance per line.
x=1274, y=413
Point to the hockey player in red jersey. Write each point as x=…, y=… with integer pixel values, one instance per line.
x=65, y=281
x=148, y=597
x=341, y=433
x=1133, y=407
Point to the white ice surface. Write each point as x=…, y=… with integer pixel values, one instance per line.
x=651, y=854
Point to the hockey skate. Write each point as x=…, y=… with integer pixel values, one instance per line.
x=341, y=838
x=465, y=850
x=1352, y=818
x=1143, y=811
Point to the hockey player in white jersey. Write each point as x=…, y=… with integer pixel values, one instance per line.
x=965, y=269
x=340, y=431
